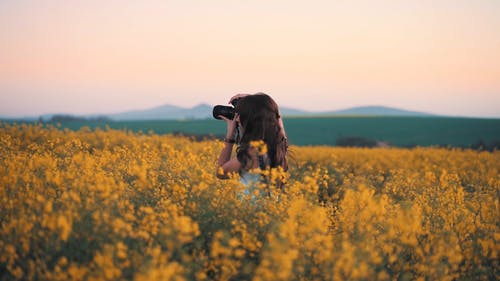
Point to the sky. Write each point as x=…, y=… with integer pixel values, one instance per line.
x=97, y=57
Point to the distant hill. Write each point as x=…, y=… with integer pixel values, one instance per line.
x=203, y=111
x=166, y=111
x=286, y=111
x=376, y=111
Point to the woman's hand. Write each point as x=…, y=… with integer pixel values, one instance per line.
x=231, y=125
x=238, y=96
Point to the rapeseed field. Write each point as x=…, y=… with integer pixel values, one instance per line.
x=117, y=205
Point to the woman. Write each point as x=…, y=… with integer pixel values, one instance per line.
x=256, y=119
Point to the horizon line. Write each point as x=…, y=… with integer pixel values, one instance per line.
x=430, y=114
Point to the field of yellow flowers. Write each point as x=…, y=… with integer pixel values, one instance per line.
x=116, y=205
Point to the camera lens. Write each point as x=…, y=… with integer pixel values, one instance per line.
x=226, y=111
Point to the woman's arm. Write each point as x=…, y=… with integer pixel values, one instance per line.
x=231, y=166
x=225, y=154
x=225, y=162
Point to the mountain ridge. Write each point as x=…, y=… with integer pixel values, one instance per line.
x=204, y=111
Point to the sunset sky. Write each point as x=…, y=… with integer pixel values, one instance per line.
x=84, y=57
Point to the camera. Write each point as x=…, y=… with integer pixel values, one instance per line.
x=226, y=111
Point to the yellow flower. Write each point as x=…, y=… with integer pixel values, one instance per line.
x=260, y=145
x=64, y=227
x=150, y=207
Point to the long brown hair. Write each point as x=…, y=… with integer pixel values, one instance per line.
x=259, y=116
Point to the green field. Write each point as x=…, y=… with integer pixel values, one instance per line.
x=397, y=131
